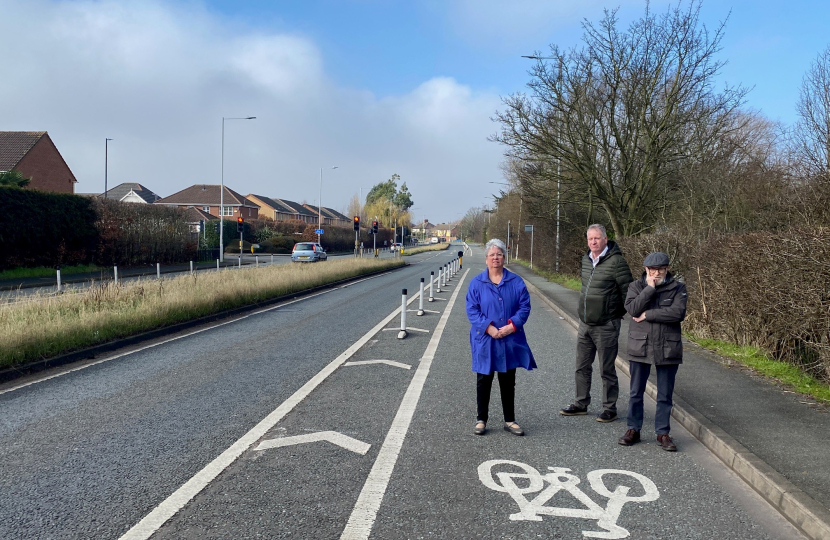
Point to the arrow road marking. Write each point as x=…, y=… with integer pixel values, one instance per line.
x=389, y=362
x=358, y=447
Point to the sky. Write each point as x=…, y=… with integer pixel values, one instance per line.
x=372, y=87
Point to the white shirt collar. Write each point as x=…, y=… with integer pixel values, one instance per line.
x=595, y=261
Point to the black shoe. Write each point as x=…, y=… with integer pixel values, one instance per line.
x=606, y=416
x=632, y=436
x=666, y=443
x=573, y=410
x=480, y=430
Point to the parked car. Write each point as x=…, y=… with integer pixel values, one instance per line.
x=433, y=240
x=396, y=246
x=308, y=252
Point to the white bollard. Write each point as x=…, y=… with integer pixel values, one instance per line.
x=191, y=267
x=421, y=300
x=272, y=258
x=240, y=261
x=115, y=273
x=438, y=288
x=256, y=258
x=59, y=278
x=402, y=333
x=158, y=270
x=445, y=275
x=217, y=264
x=431, y=279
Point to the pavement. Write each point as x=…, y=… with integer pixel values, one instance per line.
x=774, y=439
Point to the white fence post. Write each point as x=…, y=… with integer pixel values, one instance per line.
x=402, y=333
x=431, y=280
x=421, y=300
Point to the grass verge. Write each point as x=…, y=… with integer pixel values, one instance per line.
x=430, y=247
x=42, y=271
x=567, y=281
x=756, y=359
x=49, y=325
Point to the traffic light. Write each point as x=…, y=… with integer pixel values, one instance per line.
x=240, y=224
x=375, y=227
x=357, y=223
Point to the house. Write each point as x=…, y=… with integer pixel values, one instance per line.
x=329, y=216
x=445, y=231
x=131, y=192
x=206, y=197
x=198, y=220
x=281, y=209
x=423, y=230
x=35, y=156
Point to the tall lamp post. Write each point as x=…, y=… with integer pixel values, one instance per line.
x=106, y=164
x=222, y=188
x=320, y=205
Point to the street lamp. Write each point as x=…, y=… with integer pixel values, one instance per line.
x=106, y=164
x=320, y=204
x=222, y=188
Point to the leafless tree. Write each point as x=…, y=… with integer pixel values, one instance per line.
x=812, y=131
x=616, y=118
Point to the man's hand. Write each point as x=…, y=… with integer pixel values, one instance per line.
x=641, y=318
x=650, y=281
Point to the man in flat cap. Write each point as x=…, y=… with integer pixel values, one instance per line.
x=657, y=305
x=605, y=279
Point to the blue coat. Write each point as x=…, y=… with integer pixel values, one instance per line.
x=488, y=303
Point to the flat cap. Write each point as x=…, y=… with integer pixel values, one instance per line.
x=658, y=258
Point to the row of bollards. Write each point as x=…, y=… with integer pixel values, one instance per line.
x=445, y=273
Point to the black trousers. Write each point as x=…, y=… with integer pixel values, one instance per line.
x=507, y=387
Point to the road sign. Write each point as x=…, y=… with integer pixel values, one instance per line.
x=528, y=228
x=318, y=231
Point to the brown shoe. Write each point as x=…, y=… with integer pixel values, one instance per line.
x=666, y=443
x=632, y=436
x=514, y=428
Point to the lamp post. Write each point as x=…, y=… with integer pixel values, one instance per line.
x=106, y=164
x=222, y=188
x=320, y=204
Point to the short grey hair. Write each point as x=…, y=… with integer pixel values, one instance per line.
x=495, y=243
x=599, y=227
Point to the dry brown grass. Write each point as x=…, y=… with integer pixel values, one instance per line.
x=47, y=326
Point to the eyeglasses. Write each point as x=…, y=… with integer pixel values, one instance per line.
x=657, y=268
x=495, y=256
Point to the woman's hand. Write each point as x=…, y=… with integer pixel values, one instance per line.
x=506, y=330
x=493, y=332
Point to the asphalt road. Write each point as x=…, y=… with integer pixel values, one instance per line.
x=227, y=433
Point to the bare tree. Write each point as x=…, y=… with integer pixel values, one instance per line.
x=812, y=131
x=616, y=118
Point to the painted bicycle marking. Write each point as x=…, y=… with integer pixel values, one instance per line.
x=560, y=479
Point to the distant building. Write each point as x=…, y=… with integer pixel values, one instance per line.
x=281, y=209
x=206, y=197
x=329, y=216
x=423, y=230
x=130, y=192
x=35, y=156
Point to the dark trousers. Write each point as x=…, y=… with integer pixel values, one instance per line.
x=507, y=387
x=601, y=341
x=665, y=389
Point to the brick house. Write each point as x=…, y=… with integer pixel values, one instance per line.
x=281, y=209
x=206, y=197
x=329, y=216
x=35, y=156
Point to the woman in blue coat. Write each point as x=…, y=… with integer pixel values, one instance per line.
x=498, y=306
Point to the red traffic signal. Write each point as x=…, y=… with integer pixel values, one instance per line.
x=240, y=224
x=375, y=227
x=357, y=223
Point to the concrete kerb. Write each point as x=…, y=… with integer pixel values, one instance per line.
x=810, y=517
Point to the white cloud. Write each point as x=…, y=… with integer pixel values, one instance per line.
x=158, y=80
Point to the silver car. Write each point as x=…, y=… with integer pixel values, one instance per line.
x=308, y=252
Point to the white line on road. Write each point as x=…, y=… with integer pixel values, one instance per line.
x=344, y=441
x=176, y=501
x=388, y=362
x=368, y=503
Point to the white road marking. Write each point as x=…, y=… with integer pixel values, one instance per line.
x=387, y=362
x=176, y=501
x=368, y=503
x=358, y=447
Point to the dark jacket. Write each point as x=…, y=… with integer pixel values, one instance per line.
x=488, y=304
x=604, y=287
x=656, y=340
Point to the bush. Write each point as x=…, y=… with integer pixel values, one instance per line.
x=278, y=244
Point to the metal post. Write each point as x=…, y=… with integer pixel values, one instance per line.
x=431, y=279
x=115, y=273
x=532, y=229
x=240, y=261
x=217, y=265
x=402, y=333
x=158, y=270
x=507, y=259
x=59, y=278
x=421, y=300
x=191, y=267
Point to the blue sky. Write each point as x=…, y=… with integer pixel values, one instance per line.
x=375, y=87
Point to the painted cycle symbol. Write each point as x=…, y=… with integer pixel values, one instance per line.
x=560, y=479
